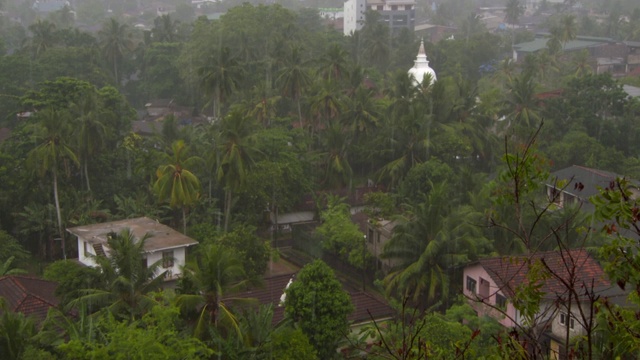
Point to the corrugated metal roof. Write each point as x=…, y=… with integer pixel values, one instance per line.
x=541, y=43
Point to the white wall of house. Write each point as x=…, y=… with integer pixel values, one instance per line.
x=86, y=255
x=477, y=285
x=173, y=268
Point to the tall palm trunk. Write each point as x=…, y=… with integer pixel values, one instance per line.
x=58, y=213
x=184, y=220
x=299, y=111
x=227, y=209
x=86, y=175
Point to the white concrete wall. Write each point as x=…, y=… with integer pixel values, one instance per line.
x=353, y=16
x=179, y=256
x=87, y=258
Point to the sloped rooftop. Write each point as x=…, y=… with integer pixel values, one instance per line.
x=273, y=288
x=583, y=181
x=162, y=236
x=508, y=272
x=29, y=295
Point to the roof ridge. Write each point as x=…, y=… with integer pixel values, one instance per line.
x=596, y=171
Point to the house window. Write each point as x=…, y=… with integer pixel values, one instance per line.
x=484, y=289
x=167, y=259
x=379, y=8
x=471, y=284
x=566, y=319
x=501, y=301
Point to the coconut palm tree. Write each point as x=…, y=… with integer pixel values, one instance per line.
x=411, y=141
x=220, y=77
x=333, y=64
x=176, y=183
x=115, y=42
x=521, y=105
x=513, y=12
x=214, y=274
x=7, y=269
x=16, y=332
x=235, y=144
x=89, y=131
x=430, y=240
x=335, y=160
x=362, y=113
x=294, y=76
x=165, y=29
x=52, y=153
x=128, y=276
x=43, y=36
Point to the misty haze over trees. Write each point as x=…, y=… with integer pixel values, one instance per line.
x=225, y=119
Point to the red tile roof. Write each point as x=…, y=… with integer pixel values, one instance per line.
x=509, y=272
x=28, y=295
x=274, y=287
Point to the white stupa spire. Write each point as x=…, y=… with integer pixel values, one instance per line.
x=421, y=67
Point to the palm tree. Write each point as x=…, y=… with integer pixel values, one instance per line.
x=220, y=77
x=337, y=170
x=333, y=64
x=128, y=276
x=427, y=243
x=43, y=36
x=164, y=29
x=16, y=331
x=362, y=113
x=51, y=133
x=176, y=183
x=326, y=105
x=513, y=12
x=6, y=269
x=89, y=130
x=411, y=141
x=216, y=272
x=115, y=41
x=235, y=146
x=294, y=77
x=568, y=28
x=521, y=104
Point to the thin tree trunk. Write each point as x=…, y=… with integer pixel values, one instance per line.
x=299, y=112
x=115, y=73
x=59, y=215
x=184, y=221
x=227, y=210
x=86, y=175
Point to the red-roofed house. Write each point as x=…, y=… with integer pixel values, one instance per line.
x=491, y=283
x=28, y=295
x=364, y=304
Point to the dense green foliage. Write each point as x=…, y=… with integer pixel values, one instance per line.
x=269, y=108
x=319, y=305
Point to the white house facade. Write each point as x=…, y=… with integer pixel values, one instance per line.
x=163, y=245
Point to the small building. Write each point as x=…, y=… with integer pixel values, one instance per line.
x=28, y=295
x=397, y=14
x=491, y=284
x=576, y=184
x=164, y=243
x=365, y=305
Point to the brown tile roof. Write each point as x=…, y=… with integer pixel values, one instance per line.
x=509, y=272
x=273, y=288
x=28, y=295
x=162, y=236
